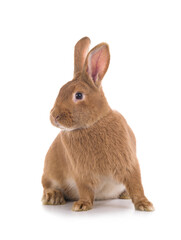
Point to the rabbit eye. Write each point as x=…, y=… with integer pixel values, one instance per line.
x=78, y=95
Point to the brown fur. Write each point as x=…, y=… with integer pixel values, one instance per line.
x=96, y=148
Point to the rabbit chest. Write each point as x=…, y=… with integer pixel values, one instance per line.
x=93, y=152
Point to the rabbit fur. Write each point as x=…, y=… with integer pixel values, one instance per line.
x=94, y=155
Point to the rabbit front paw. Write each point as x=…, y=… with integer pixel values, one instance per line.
x=52, y=197
x=144, y=205
x=81, y=206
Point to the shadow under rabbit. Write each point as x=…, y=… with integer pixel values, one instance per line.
x=115, y=206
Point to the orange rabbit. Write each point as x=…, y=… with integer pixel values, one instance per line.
x=94, y=156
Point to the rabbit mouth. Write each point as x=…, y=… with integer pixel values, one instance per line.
x=62, y=120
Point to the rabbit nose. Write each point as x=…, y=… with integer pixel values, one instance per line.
x=54, y=114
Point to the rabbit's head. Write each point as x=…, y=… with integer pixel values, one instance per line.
x=81, y=101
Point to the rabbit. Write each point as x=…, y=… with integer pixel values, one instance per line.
x=94, y=155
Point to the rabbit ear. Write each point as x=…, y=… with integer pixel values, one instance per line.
x=97, y=63
x=80, y=54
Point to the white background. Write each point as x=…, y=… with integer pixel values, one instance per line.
x=143, y=83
